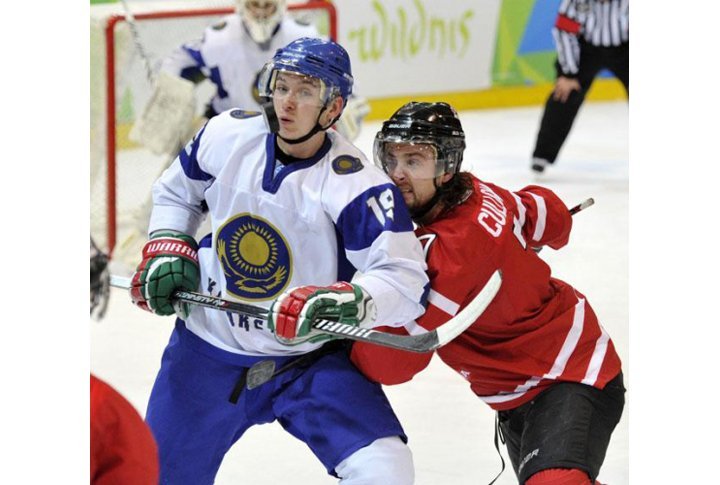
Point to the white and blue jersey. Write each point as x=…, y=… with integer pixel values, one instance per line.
x=313, y=222
x=231, y=60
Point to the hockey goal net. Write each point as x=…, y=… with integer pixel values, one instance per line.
x=122, y=172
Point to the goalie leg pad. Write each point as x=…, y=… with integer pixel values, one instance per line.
x=168, y=115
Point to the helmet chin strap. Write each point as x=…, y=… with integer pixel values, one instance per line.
x=315, y=129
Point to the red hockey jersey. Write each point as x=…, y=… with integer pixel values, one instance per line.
x=536, y=331
x=122, y=448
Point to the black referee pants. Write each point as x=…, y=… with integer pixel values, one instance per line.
x=558, y=117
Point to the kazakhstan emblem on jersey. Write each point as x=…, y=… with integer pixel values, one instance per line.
x=242, y=114
x=255, y=258
x=345, y=164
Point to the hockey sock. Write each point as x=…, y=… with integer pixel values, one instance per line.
x=560, y=476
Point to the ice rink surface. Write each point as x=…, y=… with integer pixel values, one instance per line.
x=450, y=430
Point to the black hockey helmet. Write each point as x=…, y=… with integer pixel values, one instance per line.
x=436, y=124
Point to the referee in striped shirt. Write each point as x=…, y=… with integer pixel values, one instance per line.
x=590, y=35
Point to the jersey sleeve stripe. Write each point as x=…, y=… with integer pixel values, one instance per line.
x=597, y=359
x=511, y=396
x=443, y=303
x=195, y=54
x=519, y=222
x=571, y=341
x=189, y=159
x=541, y=219
x=414, y=329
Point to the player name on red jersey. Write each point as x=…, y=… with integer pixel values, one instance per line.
x=492, y=207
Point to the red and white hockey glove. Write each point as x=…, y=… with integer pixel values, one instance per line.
x=292, y=314
x=169, y=263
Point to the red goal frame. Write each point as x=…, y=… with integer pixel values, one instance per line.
x=111, y=122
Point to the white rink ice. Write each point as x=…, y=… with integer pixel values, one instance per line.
x=450, y=430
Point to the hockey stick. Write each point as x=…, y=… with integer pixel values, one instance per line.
x=582, y=206
x=130, y=18
x=169, y=112
x=425, y=342
x=574, y=210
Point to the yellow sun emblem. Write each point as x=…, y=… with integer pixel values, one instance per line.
x=255, y=257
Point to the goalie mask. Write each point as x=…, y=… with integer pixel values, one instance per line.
x=430, y=126
x=321, y=59
x=99, y=282
x=261, y=17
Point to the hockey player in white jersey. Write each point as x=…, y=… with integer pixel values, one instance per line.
x=232, y=52
x=295, y=210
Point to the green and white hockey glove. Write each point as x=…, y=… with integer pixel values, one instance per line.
x=169, y=263
x=291, y=316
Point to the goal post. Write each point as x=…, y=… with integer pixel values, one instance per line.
x=122, y=172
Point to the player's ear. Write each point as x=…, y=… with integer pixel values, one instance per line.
x=445, y=178
x=335, y=107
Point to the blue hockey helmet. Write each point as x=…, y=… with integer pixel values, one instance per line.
x=319, y=58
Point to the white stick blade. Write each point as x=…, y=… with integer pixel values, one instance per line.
x=120, y=282
x=471, y=312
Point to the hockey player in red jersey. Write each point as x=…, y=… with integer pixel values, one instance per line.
x=537, y=355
